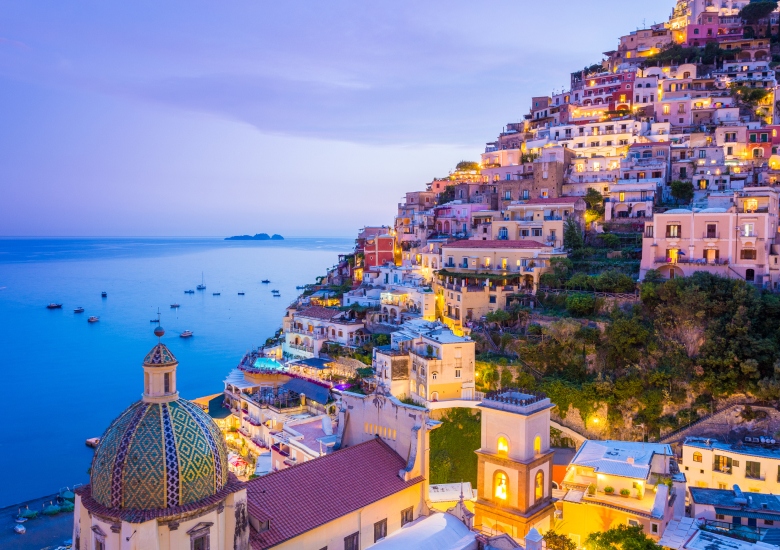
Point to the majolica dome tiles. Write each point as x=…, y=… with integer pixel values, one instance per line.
x=160, y=356
x=159, y=455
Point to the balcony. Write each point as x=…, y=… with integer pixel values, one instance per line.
x=307, y=349
x=314, y=334
x=692, y=261
x=711, y=235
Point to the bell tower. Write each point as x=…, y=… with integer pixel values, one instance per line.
x=514, y=471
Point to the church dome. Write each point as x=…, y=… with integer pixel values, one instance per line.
x=161, y=452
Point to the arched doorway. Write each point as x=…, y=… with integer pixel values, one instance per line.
x=750, y=275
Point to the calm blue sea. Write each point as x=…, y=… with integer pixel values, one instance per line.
x=64, y=380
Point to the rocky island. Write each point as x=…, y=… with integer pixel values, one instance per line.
x=257, y=237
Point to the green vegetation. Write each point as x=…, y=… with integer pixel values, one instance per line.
x=757, y=10
x=572, y=235
x=677, y=54
x=452, y=448
x=621, y=537
x=556, y=541
x=467, y=166
x=750, y=97
x=595, y=202
x=682, y=191
x=447, y=195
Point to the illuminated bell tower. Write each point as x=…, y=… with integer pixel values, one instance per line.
x=514, y=472
x=160, y=373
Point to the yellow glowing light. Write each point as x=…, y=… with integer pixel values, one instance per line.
x=503, y=446
x=595, y=420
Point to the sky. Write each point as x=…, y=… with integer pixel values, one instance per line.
x=306, y=118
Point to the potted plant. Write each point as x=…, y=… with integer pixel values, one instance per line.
x=625, y=492
x=591, y=489
x=609, y=490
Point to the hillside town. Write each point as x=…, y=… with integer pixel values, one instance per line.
x=656, y=164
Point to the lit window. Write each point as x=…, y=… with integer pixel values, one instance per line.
x=503, y=446
x=500, y=485
x=537, y=445
x=539, y=485
x=697, y=457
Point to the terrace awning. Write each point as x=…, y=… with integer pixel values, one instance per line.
x=314, y=363
x=311, y=390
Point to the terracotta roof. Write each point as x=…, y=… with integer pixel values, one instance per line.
x=318, y=312
x=140, y=516
x=305, y=496
x=650, y=144
x=495, y=244
x=560, y=200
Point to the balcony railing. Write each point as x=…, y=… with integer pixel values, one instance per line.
x=307, y=349
x=711, y=235
x=692, y=261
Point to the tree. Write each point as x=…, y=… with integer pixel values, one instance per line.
x=581, y=305
x=621, y=537
x=447, y=195
x=595, y=201
x=467, y=166
x=556, y=541
x=572, y=235
x=682, y=191
x=757, y=10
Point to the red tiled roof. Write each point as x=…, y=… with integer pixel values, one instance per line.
x=650, y=144
x=305, y=496
x=560, y=200
x=140, y=516
x=318, y=312
x=495, y=244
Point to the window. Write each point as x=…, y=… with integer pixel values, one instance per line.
x=769, y=522
x=525, y=194
x=500, y=485
x=167, y=382
x=675, y=232
x=720, y=517
x=752, y=470
x=622, y=197
x=407, y=516
x=503, y=234
x=722, y=464
x=539, y=486
x=99, y=544
x=200, y=542
x=654, y=528
x=380, y=530
x=667, y=109
x=747, y=254
x=633, y=523
x=681, y=108
x=457, y=373
x=697, y=457
x=502, y=446
x=434, y=375
x=352, y=542
x=538, y=445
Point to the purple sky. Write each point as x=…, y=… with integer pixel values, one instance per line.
x=303, y=118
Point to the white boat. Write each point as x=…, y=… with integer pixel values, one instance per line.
x=93, y=442
x=93, y=319
x=20, y=529
x=202, y=285
x=78, y=310
x=186, y=334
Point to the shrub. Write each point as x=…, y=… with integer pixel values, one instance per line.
x=534, y=329
x=609, y=490
x=625, y=492
x=581, y=305
x=591, y=489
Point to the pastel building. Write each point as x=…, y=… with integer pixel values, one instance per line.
x=611, y=483
x=738, y=241
x=307, y=329
x=538, y=219
x=427, y=362
x=713, y=464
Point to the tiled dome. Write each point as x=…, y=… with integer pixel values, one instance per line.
x=159, y=455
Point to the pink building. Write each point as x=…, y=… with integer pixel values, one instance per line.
x=454, y=218
x=740, y=241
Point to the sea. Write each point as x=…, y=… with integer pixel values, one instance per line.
x=63, y=380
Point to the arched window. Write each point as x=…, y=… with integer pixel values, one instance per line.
x=421, y=391
x=758, y=153
x=697, y=457
x=686, y=74
x=434, y=375
x=502, y=447
x=539, y=486
x=500, y=485
x=538, y=445
x=503, y=233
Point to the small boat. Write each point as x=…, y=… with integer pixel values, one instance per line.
x=92, y=442
x=19, y=529
x=93, y=319
x=240, y=293
x=20, y=519
x=174, y=306
x=51, y=510
x=186, y=334
x=104, y=294
x=274, y=292
x=78, y=310
x=54, y=306
x=216, y=294
x=265, y=281
x=189, y=292
x=301, y=287
x=66, y=495
x=202, y=285
x=154, y=320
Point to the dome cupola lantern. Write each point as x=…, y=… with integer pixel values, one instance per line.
x=160, y=373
